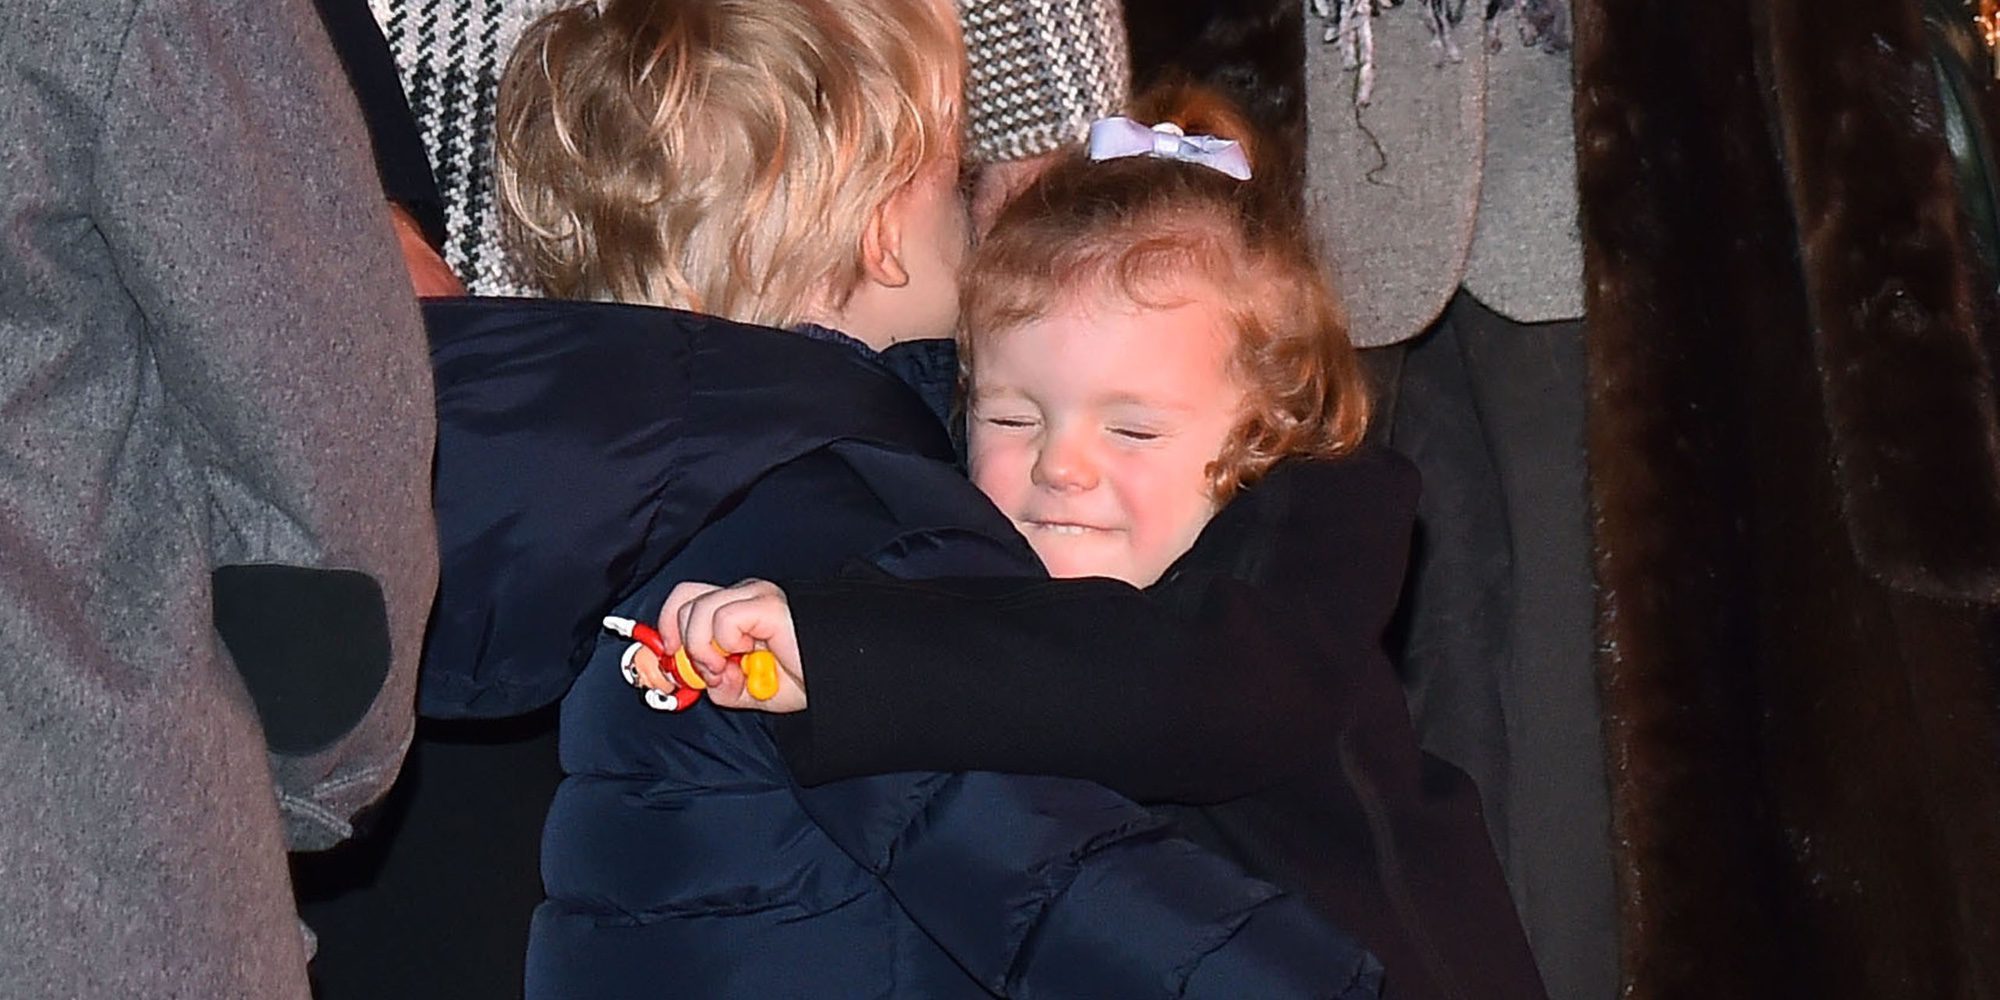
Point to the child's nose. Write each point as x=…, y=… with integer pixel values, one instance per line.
x=1065, y=464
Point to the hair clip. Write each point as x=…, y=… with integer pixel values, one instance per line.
x=1117, y=137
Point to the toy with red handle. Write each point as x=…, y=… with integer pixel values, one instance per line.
x=760, y=667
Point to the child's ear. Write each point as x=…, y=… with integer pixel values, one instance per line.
x=882, y=245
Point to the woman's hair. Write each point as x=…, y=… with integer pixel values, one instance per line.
x=1159, y=232
x=719, y=155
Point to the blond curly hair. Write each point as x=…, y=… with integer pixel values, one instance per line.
x=722, y=156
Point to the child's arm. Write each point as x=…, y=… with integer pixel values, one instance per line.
x=1211, y=686
x=1222, y=680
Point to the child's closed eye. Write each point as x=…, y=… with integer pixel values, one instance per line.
x=1008, y=421
x=1136, y=434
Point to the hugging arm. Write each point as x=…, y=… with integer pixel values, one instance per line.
x=1223, y=679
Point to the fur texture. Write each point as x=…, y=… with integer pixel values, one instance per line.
x=1793, y=475
x=1894, y=295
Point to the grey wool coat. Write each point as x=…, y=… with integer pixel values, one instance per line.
x=209, y=357
x=1458, y=173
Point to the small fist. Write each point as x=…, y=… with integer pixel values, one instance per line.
x=738, y=640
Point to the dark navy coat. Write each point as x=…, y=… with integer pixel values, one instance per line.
x=592, y=456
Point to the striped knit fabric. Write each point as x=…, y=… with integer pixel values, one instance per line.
x=1041, y=72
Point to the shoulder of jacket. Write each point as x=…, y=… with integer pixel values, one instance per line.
x=1371, y=469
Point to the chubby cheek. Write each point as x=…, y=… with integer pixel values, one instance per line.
x=1170, y=505
x=1161, y=529
x=1000, y=472
x=1187, y=523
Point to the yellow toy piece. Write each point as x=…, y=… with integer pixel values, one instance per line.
x=684, y=671
x=760, y=674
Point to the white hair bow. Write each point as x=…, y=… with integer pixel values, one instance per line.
x=1113, y=138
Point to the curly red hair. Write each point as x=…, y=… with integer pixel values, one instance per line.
x=1140, y=228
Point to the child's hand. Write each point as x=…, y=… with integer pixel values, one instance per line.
x=711, y=622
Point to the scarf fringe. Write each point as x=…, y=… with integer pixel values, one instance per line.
x=1540, y=24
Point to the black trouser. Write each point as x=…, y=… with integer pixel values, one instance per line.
x=433, y=902
x=1494, y=637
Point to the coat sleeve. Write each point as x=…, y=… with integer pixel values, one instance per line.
x=247, y=225
x=1195, y=691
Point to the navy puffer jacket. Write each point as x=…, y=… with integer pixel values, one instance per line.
x=592, y=456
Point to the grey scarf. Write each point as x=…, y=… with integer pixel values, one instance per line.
x=1543, y=24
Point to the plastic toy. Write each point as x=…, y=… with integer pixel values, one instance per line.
x=760, y=667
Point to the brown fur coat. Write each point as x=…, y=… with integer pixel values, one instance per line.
x=1796, y=481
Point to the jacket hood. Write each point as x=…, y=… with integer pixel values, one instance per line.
x=581, y=444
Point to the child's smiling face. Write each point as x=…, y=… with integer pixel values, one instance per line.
x=1093, y=428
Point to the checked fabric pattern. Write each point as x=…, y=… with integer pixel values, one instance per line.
x=450, y=54
x=1041, y=71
